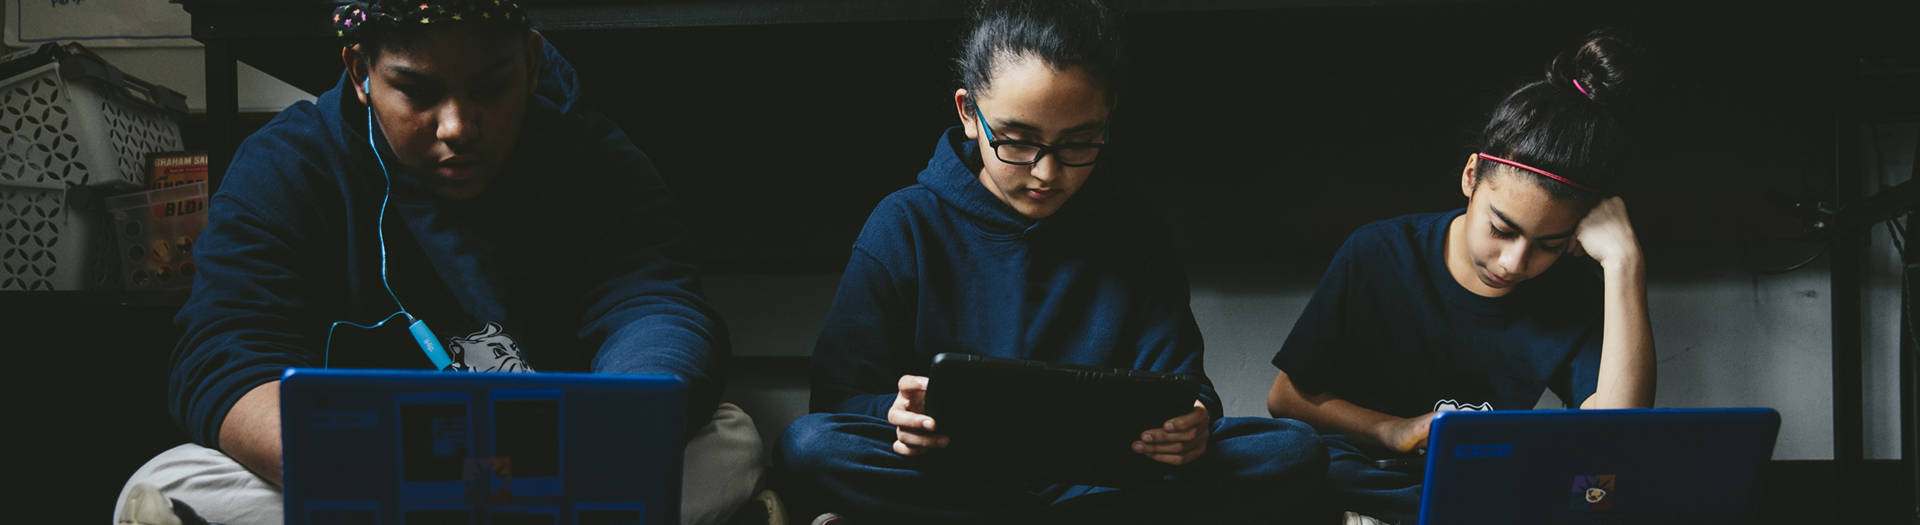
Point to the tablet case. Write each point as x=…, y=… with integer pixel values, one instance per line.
x=1051, y=423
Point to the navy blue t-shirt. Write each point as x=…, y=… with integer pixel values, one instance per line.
x=1390, y=330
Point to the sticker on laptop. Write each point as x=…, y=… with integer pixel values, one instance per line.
x=1592, y=493
x=1446, y=405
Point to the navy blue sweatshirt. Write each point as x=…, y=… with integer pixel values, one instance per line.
x=945, y=266
x=556, y=267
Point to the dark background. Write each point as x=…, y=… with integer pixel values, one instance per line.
x=1266, y=135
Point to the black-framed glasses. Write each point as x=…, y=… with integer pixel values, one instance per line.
x=1023, y=153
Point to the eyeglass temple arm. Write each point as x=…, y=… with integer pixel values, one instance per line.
x=983, y=121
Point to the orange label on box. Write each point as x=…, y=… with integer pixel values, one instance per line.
x=166, y=170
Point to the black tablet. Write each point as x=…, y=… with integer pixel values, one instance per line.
x=1041, y=422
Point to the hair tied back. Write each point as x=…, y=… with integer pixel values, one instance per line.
x=1583, y=89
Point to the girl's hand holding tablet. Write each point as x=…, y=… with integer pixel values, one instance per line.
x=913, y=432
x=1180, y=441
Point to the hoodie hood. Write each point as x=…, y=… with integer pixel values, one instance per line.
x=953, y=176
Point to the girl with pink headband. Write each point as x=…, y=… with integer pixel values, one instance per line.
x=1459, y=311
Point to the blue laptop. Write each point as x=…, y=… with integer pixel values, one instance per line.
x=383, y=447
x=1597, y=466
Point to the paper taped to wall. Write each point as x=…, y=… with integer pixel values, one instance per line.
x=98, y=23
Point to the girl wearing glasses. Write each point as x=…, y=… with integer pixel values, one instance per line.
x=1459, y=311
x=1019, y=242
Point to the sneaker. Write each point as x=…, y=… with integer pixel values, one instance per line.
x=145, y=505
x=1355, y=518
x=776, y=511
x=765, y=507
x=832, y=519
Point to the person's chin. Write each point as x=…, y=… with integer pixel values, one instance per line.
x=1037, y=211
x=1498, y=283
x=1488, y=279
x=457, y=190
x=1040, y=208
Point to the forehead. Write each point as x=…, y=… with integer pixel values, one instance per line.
x=451, y=51
x=1028, y=89
x=1528, y=206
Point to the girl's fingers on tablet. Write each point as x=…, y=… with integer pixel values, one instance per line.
x=909, y=421
x=1162, y=436
x=900, y=417
x=907, y=450
x=1177, y=459
x=915, y=439
x=1154, y=449
x=903, y=417
x=913, y=383
x=1188, y=420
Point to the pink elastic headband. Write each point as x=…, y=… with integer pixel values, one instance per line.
x=1583, y=89
x=1542, y=172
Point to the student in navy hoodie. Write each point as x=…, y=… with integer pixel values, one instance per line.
x=474, y=196
x=1474, y=309
x=1020, y=242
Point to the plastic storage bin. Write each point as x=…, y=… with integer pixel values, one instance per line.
x=71, y=127
x=157, y=230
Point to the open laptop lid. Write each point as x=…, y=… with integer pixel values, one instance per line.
x=1597, y=466
x=992, y=410
x=377, y=446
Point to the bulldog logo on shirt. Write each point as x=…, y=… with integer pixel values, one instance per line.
x=1449, y=404
x=488, y=350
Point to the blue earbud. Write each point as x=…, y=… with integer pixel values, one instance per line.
x=423, y=336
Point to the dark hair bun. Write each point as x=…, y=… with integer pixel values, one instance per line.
x=1086, y=34
x=1570, y=123
x=1602, y=67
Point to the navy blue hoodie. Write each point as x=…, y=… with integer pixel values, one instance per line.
x=945, y=266
x=556, y=267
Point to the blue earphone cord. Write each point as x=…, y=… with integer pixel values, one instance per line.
x=380, y=230
x=381, y=226
x=326, y=361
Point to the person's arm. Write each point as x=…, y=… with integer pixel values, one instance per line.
x=1171, y=342
x=866, y=344
x=251, y=313
x=1627, y=366
x=251, y=432
x=1332, y=415
x=643, y=310
x=1312, y=358
x=865, y=361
